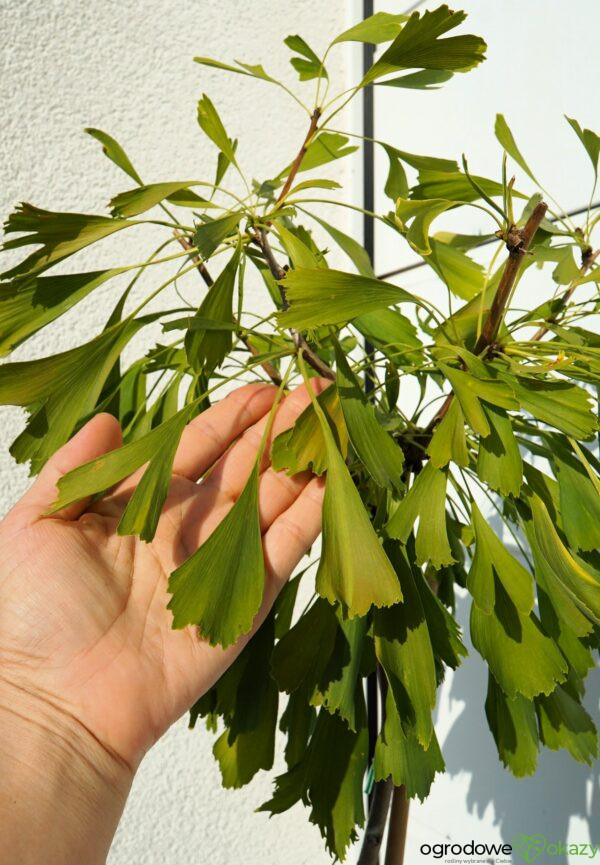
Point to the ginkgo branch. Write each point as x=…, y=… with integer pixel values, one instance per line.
x=518, y=241
x=278, y=273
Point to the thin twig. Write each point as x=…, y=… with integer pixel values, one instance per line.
x=314, y=119
x=586, y=264
x=203, y=271
x=278, y=273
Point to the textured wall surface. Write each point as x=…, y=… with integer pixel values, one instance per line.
x=126, y=67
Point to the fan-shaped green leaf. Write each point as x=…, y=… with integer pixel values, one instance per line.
x=220, y=587
x=61, y=390
x=380, y=454
x=377, y=28
x=514, y=728
x=493, y=559
x=419, y=46
x=59, y=235
x=302, y=447
x=354, y=568
x=28, y=305
x=521, y=657
x=564, y=723
x=319, y=297
x=399, y=755
x=590, y=141
x=579, y=502
x=210, y=234
x=425, y=500
x=499, y=462
x=136, y=201
x=449, y=440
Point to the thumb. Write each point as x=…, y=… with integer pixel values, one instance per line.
x=100, y=435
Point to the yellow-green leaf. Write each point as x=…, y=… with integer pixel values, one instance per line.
x=425, y=500
x=220, y=587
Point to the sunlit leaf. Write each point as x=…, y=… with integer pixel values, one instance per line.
x=449, y=440
x=521, y=657
x=579, y=502
x=377, y=28
x=426, y=79
x=492, y=559
x=302, y=447
x=30, y=304
x=382, y=457
x=470, y=391
x=507, y=141
x=220, y=587
x=60, y=390
x=326, y=147
x=464, y=277
x=59, y=235
x=580, y=583
x=499, y=462
x=299, y=254
x=307, y=65
x=319, y=297
x=210, y=234
x=115, y=152
x=564, y=723
x=211, y=124
x=425, y=500
x=351, y=551
x=403, y=649
x=514, y=728
x=399, y=755
x=419, y=46
x=561, y=405
x=454, y=186
x=136, y=201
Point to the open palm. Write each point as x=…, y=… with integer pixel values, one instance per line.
x=83, y=618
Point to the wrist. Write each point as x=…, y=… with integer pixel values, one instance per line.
x=62, y=791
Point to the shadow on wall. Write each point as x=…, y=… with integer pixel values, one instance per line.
x=539, y=805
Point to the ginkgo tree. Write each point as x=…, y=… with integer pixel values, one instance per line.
x=507, y=416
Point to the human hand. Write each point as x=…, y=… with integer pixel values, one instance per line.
x=85, y=637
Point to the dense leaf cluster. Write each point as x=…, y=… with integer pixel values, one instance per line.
x=506, y=417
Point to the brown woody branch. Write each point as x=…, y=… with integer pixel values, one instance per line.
x=518, y=242
x=203, y=271
x=314, y=119
x=588, y=260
